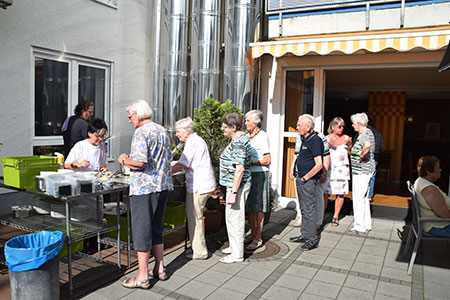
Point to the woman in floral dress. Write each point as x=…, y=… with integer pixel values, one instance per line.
x=339, y=171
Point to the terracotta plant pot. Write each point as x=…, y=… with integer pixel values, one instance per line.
x=212, y=220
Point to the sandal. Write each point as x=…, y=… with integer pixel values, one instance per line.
x=254, y=245
x=335, y=222
x=248, y=239
x=133, y=283
x=162, y=275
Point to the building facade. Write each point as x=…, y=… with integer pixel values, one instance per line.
x=337, y=58
x=327, y=58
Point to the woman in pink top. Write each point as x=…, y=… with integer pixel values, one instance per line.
x=200, y=182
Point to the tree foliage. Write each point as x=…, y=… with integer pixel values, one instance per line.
x=208, y=123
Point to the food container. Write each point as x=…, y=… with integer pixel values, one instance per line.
x=57, y=185
x=21, y=211
x=40, y=183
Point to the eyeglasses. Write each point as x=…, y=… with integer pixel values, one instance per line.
x=225, y=127
x=100, y=135
x=340, y=126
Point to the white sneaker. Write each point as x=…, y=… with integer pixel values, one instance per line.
x=229, y=260
x=227, y=250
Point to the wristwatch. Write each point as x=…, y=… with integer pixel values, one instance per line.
x=234, y=193
x=303, y=179
x=123, y=160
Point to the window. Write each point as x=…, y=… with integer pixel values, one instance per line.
x=61, y=80
x=50, y=96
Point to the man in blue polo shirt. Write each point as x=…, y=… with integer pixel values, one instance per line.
x=308, y=167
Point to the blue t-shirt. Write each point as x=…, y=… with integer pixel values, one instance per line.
x=311, y=147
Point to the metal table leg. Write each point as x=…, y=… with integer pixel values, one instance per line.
x=128, y=231
x=99, y=219
x=69, y=252
x=119, y=196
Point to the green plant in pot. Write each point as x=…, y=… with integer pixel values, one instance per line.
x=208, y=123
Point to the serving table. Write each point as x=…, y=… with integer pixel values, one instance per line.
x=75, y=230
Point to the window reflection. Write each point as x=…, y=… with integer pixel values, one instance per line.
x=299, y=96
x=51, y=96
x=91, y=87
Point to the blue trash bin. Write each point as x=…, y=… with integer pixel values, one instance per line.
x=33, y=265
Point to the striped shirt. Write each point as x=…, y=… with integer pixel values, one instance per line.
x=238, y=152
x=365, y=165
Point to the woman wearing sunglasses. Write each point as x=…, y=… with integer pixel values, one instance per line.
x=339, y=171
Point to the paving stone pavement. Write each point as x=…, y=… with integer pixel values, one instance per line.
x=343, y=267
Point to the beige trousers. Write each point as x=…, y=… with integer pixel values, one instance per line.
x=194, y=212
x=235, y=221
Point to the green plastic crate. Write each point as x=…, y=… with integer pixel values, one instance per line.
x=175, y=214
x=112, y=218
x=19, y=171
x=74, y=247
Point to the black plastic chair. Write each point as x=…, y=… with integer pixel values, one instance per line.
x=417, y=229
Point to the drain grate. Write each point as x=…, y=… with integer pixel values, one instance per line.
x=268, y=250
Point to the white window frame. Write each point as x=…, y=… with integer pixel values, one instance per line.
x=74, y=62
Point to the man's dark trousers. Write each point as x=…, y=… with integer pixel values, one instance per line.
x=307, y=198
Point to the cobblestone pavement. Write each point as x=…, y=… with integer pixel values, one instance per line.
x=343, y=267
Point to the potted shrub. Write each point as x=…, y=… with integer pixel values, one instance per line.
x=208, y=123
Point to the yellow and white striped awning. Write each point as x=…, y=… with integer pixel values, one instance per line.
x=400, y=41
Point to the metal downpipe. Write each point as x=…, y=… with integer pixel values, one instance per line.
x=239, y=70
x=205, y=51
x=174, y=58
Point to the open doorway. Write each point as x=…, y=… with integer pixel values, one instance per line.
x=409, y=106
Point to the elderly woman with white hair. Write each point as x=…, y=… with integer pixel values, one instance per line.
x=150, y=182
x=258, y=198
x=200, y=182
x=363, y=165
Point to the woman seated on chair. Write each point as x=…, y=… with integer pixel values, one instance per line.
x=433, y=202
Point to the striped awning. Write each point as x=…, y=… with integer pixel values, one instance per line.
x=400, y=41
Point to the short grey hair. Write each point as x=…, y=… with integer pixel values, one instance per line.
x=185, y=123
x=141, y=109
x=360, y=118
x=308, y=118
x=256, y=116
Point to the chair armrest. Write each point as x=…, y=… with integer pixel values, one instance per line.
x=434, y=220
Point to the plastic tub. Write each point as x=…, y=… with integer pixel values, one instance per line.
x=19, y=171
x=175, y=214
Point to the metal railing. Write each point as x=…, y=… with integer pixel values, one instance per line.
x=274, y=7
x=283, y=7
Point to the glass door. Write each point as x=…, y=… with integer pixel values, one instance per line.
x=299, y=99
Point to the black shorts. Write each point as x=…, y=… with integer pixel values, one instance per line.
x=147, y=219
